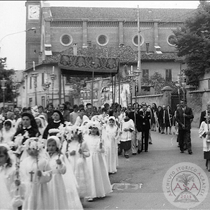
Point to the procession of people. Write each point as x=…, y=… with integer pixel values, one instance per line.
x=60, y=158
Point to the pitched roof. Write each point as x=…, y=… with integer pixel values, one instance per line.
x=98, y=13
x=125, y=54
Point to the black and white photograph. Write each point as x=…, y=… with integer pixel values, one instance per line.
x=104, y=105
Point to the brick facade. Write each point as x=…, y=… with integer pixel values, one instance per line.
x=119, y=25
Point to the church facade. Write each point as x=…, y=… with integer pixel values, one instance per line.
x=112, y=32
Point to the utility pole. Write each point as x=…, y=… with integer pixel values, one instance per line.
x=139, y=50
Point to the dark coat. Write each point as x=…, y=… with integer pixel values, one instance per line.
x=186, y=121
x=167, y=115
x=145, y=119
x=32, y=132
x=138, y=124
x=51, y=125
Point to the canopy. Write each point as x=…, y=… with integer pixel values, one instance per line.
x=75, y=66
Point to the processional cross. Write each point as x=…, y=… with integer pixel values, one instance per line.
x=32, y=174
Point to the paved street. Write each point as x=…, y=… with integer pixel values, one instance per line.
x=144, y=174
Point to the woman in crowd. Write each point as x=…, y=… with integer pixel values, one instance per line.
x=57, y=120
x=28, y=127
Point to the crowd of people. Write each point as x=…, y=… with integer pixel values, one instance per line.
x=59, y=158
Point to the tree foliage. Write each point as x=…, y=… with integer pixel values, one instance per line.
x=6, y=74
x=77, y=83
x=158, y=82
x=193, y=43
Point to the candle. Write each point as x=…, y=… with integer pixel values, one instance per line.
x=33, y=65
x=53, y=70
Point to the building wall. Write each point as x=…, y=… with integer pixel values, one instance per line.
x=111, y=30
x=46, y=94
x=161, y=67
x=57, y=32
x=33, y=38
x=163, y=34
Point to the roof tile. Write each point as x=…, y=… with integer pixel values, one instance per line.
x=125, y=54
x=96, y=13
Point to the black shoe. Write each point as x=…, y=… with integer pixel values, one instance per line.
x=126, y=156
x=139, y=151
x=190, y=152
x=182, y=151
x=133, y=153
x=150, y=142
x=146, y=150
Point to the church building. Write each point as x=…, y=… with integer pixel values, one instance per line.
x=101, y=32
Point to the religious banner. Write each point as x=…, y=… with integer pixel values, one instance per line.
x=84, y=66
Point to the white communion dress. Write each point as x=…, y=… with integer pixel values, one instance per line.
x=80, y=167
x=100, y=183
x=37, y=194
x=58, y=194
x=110, y=144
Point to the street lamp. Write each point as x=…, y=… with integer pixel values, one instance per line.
x=3, y=87
x=30, y=29
x=46, y=87
x=53, y=77
x=133, y=77
x=181, y=84
x=184, y=85
x=14, y=93
x=35, y=75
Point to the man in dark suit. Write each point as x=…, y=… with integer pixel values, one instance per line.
x=203, y=113
x=145, y=117
x=65, y=112
x=184, y=117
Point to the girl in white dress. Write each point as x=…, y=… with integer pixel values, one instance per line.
x=36, y=174
x=111, y=145
x=8, y=132
x=58, y=167
x=204, y=134
x=100, y=183
x=11, y=189
x=63, y=186
x=78, y=152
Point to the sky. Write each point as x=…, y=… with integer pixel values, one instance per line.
x=13, y=18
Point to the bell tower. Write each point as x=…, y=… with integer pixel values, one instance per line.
x=33, y=37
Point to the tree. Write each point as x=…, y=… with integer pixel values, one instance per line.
x=78, y=83
x=193, y=43
x=158, y=82
x=6, y=74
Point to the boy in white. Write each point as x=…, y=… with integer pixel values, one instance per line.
x=127, y=127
